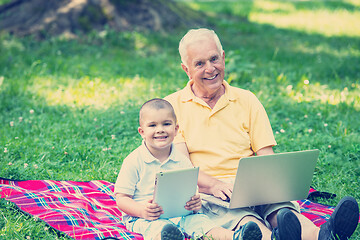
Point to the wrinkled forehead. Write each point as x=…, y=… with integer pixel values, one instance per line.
x=202, y=50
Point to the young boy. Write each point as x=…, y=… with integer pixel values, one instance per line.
x=135, y=184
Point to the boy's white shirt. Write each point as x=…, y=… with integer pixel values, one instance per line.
x=137, y=173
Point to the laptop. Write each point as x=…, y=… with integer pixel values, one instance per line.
x=268, y=179
x=173, y=189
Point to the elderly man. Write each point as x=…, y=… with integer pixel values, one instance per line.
x=219, y=124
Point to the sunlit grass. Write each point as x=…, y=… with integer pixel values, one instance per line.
x=325, y=49
x=353, y=2
x=308, y=92
x=321, y=21
x=94, y=92
x=272, y=7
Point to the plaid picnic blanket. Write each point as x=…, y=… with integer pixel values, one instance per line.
x=87, y=210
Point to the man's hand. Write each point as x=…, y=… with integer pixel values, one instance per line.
x=151, y=211
x=221, y=190
x=194, y=204
x=210, y=185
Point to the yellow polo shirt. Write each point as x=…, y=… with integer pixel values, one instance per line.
x=217, y=138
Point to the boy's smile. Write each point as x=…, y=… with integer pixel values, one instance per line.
x=161, y=138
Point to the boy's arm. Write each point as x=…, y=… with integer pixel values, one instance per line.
x=148, y=210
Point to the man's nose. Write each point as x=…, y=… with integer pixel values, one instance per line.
x=209, y=67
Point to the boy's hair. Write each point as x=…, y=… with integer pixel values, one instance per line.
x=194, y=35
x=156, y=103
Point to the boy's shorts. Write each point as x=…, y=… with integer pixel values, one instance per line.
x=194, y=225
x=229, y=218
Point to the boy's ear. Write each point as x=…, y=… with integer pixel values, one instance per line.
x=141, y=131
x=186, y=69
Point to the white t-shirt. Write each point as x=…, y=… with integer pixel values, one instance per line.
x=138, y=170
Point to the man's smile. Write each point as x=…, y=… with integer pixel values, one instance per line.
x=212, y=78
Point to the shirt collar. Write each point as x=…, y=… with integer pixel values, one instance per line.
x=148, y=157
x=188, y=95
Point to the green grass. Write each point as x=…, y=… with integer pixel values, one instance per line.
x=68, y=108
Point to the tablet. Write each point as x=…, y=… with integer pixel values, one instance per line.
x=173, y=189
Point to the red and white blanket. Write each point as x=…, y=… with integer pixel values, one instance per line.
x=87, y=210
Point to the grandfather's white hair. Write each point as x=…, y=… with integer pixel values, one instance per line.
x=194, y=35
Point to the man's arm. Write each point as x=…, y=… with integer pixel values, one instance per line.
x=182, y=147
x=208, y=184
x=265, y=151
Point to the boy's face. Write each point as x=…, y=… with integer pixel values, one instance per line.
x=158, y=129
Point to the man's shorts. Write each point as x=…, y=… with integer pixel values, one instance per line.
x=229, y=218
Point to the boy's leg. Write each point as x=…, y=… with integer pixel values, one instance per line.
x=170, y=232
x=198, y=225
x=151, y=230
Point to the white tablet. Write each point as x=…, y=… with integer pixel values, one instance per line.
x=173, y=189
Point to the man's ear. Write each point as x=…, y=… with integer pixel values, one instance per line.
x=176, y=129
x=186, y=69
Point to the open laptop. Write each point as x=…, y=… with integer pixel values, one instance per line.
x=173, y=189
x=269, y=179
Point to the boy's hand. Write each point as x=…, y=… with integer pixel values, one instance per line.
x=194, y=204
x=151, y=211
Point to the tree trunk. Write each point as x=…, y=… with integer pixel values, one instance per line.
x=57, y=17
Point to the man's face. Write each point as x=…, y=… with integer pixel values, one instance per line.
x=206, y=65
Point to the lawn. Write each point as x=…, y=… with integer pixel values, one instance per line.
x=68, y=107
